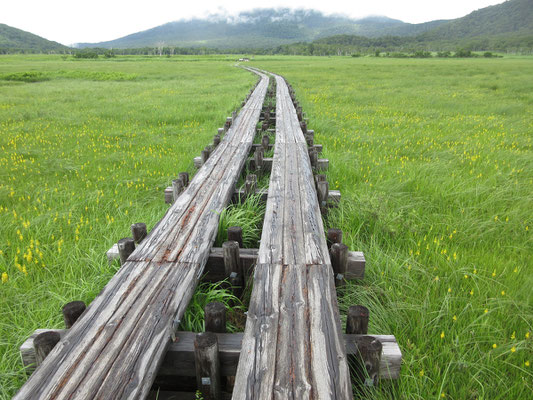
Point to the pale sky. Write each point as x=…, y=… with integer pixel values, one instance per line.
x=72, y=21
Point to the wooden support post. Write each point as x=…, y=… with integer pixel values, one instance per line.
x=43, y=344
x=323, y=192
x=207, y=365
x=177, y=187
x=357, y=320
x=216, y=140
x=139, y=232
x=320, y=178
x=233, y=267
x=250, y=185
x=220, y=132
x=339, y=261
x=215, y=317
x=265, y=141
x=334, y=236
x=313, y=156
x=169, y=195
x=198, y=161
x=72, y=311
x=235, y=234
x=227, y=125
x=258, y=159
x=204, y=155
x=365, y=364
x=126, y=246
x=303, y=125
x=264, y=126
x=232, y=260
x=184, y=176
x=309, y=139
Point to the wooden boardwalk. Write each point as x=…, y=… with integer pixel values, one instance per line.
x=116, y=348
x=293, y=345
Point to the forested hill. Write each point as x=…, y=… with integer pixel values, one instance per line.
x=17, y=40
x=514, y=17
x=503, y=27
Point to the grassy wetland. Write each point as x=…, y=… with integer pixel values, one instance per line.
x=433, y=158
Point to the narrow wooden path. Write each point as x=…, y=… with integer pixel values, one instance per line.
x=116, y=348
x=293, y=345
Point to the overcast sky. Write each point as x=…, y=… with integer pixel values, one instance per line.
x=73, y=21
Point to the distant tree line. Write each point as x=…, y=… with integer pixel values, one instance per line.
x=339, y=45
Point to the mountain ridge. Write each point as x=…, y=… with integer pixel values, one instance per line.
x=256, y=28
x=14, y=39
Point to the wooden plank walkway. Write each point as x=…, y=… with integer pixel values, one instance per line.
x=293, y=346
x=115, y=349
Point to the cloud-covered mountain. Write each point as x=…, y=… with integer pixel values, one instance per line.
x=254, y=29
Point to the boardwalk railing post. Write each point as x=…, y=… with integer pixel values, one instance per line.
x=339, y=261
x=357, y=320
x=139, y=232
x=216, y=140
x=43, y=344
x=215, y=317
x=126, y=246
x=72, y=311
x=207, y=365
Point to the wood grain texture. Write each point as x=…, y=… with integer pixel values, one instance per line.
x=293, y=345
x=115, y=349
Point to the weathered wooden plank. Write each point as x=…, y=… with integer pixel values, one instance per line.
x=179, y=358
x=115, y=349
x=292, y=346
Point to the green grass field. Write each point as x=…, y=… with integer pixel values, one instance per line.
x=434, y=160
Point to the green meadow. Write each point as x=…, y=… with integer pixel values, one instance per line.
x=433, y=158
